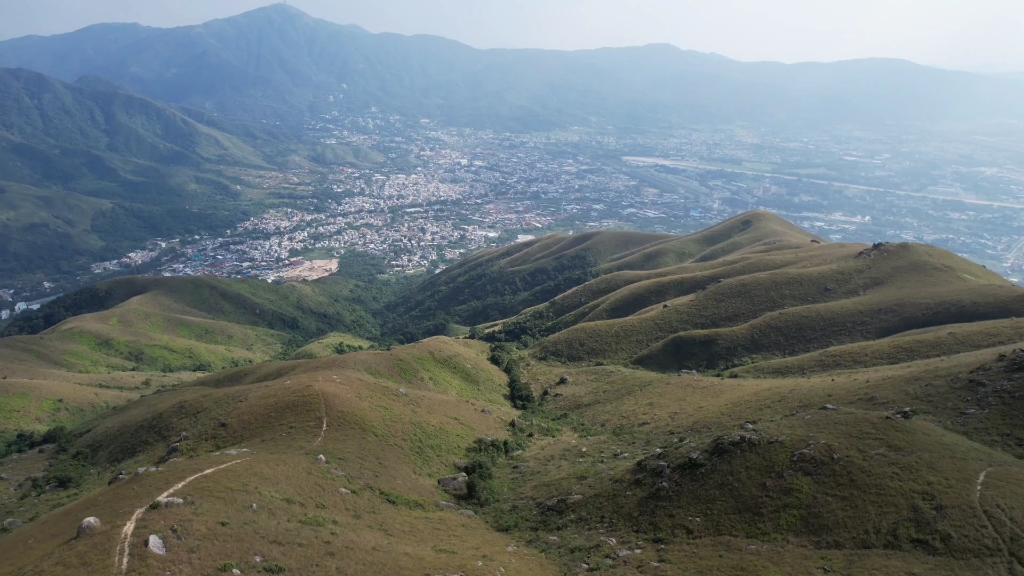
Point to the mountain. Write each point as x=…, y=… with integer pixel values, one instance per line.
x=90, y=171
x=277, y=63
x=854, y=409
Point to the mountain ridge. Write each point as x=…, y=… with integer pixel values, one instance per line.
x=281, y=64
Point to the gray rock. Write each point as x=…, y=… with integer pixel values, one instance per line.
x=455, y=485
x=257, y=558
x=403, y=392
x=582, y=566
x=173, y=449
x=622, y=552
x=747, y=426
x=140, y=471
x=156, y=545
x=564, y=380
x=88, y=525
x=467, y=512
x=184, y=436
x=234, y=451
x=12, y=523
x=829, y=407
x=447, y=506
x=253, y=506
x=3, y=477
x=236, y=571
x=171, y=501
x=118, y=478
x=321, y=459
x=344, y=490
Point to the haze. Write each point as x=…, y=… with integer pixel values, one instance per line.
x=977, y=35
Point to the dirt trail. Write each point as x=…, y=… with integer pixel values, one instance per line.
x=323, y=409
x=121, y=562
x=981, y=481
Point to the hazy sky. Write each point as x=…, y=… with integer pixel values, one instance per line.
x=982, y=35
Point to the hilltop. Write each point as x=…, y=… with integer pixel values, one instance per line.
x=279, y=63
x=749, y=398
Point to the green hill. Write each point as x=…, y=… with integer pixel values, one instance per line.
x=90, y=171
x=857, y=413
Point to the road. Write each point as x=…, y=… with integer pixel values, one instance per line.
x=667, y=162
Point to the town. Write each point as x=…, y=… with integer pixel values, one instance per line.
x=440, y=194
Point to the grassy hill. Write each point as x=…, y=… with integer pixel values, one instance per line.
x=861, y=417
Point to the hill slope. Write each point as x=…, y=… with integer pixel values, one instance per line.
x=277, y=62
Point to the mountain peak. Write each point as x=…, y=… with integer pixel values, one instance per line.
x=278, y=10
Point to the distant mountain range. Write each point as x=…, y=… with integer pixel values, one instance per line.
x=277, y=63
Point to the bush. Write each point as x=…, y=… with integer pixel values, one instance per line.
x=227, y=566
x=274, y=568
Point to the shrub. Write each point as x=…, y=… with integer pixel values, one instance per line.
x=227, y=566
x=274, y=568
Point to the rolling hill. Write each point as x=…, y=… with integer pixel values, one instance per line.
x=855, y=410
x=279, y=63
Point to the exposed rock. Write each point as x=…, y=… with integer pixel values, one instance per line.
x=467, y=512
x=156, y=545
x=747, y=426
x=486, y=412
x=455, y=485
x=829, y=407
x=514, y=423
x=447, y=506
x=173, y=449
x=236, y=571
x=172, y=501
x=802, y=454
x=12, y=523
x=88, y=525
x=344, y=490
x=564, y=380
x=184, y=436
x=321, y=459
x=904, y=414
x=236, y=451
x=121, y=476
x=403, y=392
x=253, y=507
x=582, y=566
x=622, y=552
x=257, y=558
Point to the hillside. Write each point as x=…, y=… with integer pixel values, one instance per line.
x=855, y=412
x=90, y=171
x=279, y=63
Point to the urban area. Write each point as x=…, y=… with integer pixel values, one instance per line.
x=426, y=196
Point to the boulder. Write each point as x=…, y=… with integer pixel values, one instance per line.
x=12, y=523
x=170, y=501
x=184, y=436
x=563, y=380
x=173, y=449
x=467, y=513
x=118, y=478
x=447, y=506
x=456, y=485
x=321, y=459
x=156, y=545
x=403, y=392
x=88, y=525
x=253, y=507
x=344, y=490
x=829, y=407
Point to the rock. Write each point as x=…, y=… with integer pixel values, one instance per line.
x=156, y=545
x=622, y=552
x=253, y=507
x=514, y=423
x=321, y=459
x=173, y=449
x=905, y=414
x=582, y=566
x=563, y=380
x=802, y=454
x=140, y=471
x=447, y=506
x=88, y=525
x=236, y=571
x=170, y=501
x=3, y=477
x=184, y=436
x=747, y=426
x=403, y=392
x=467, y=512
x=12, y=523
x=455, y=485
x=664, y=467
x=829, y=407
x=486, y=412
x=344, y=490
x=118, y=478
x=236, y=451
x=257, y=558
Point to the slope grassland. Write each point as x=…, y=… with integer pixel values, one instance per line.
x=737, y=476
x=776, y=304
x=395, y=421
x=331, y=345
